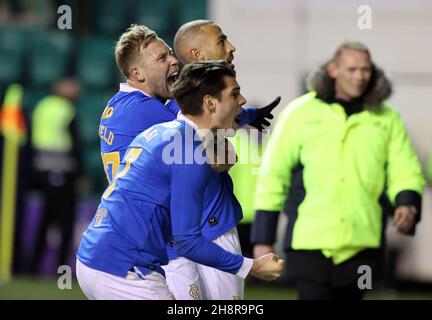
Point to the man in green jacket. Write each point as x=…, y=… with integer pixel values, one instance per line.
x=336, y=154
x=57, y=166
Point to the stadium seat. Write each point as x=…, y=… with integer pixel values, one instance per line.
x=96, y=63
x=157, y=15
x=11, y=67
x=13, y=39
x=32, y=95
x=51, y=52
x=110, y=17
x=191, y=10
x=12, y=48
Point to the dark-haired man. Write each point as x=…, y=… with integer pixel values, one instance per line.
x=124, y=247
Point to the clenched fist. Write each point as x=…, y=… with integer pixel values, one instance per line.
x=268, y=267
x=404, y=218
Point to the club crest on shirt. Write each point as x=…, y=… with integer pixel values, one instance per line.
x=195, y=292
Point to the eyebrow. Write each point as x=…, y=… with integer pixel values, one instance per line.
x=222, y=37
x=162, y=55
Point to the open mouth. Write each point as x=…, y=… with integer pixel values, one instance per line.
x=172, y=78
x=230, y=60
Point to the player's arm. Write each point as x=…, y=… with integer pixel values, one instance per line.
x=258, y=118
x=188, y=183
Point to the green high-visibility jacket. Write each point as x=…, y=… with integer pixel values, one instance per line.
x=51, y=119
x=348, y=163
x=244, y=173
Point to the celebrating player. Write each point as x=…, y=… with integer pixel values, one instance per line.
x=151, y=69
x=145, y=99
x=202, y=40
x=152, y=202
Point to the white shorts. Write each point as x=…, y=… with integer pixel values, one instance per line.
x=98, y=285
x=189, y=280
x=183, y=279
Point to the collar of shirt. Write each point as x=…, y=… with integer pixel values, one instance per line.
x=126, y=87
x=350, y=107
x=206, y=135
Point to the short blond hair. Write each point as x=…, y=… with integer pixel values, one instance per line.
x=130, y=43
x=350, y=45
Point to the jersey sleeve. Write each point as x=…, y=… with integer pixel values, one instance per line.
x=247, y=116
x=146, y=112
x=188, y=183
x=131, y=116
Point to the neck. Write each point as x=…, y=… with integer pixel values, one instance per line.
x=206, y=134
x=341, y=96
x=201, y=122
x=140, y=86
x=204, y=127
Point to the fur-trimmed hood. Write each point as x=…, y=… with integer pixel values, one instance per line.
x=379, y=88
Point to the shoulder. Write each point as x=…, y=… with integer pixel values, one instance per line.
x=160, y=134
x=139, y=102
x=300, y=106
x=134, y=101
x=139, y=112
x=384, y=110
x=55, y=101
x=173, y=106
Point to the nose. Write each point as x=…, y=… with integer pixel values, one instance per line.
x=366, y=74
x=174, y=60
x=242, y=101
x=231, y=47
x=359, y=75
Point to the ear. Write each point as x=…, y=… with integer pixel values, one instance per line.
x=332, y=70
x=137, y=74
x=209, y=103
x=197, y=55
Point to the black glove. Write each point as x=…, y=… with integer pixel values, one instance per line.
x=263, y=114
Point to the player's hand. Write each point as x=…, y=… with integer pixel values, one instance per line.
x=225, y=156
x=268, y=267
x=264, y=114
x=404, y=218
x=260, y=250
